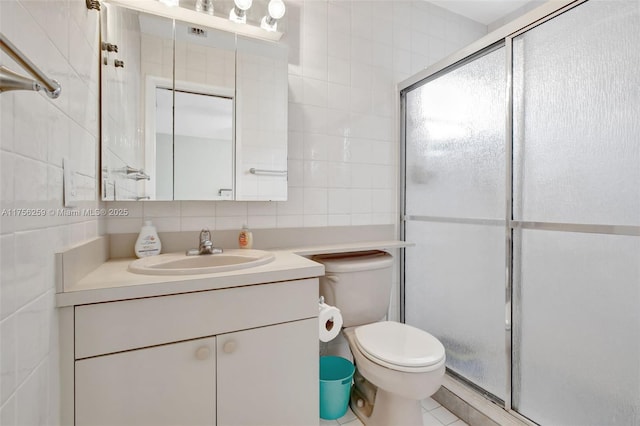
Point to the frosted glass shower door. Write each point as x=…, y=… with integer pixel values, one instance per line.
x=576, y=208
x=454, y=213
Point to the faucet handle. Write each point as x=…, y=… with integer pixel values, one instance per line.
x=205, y=235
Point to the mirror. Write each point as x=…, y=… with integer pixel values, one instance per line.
x=189, y=146
x=189, y=112
x=261, y=120
x=200, y=142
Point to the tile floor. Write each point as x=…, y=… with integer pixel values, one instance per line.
x=433, y=414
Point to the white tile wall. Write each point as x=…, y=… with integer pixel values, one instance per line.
x=345, y=59
x=59, y=36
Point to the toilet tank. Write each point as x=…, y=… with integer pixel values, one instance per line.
x=359, y=284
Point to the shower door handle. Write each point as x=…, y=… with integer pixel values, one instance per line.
x=507, y=316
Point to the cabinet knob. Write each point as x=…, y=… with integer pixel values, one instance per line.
x=229, y=347
x=203, y=353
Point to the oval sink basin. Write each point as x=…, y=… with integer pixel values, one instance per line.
x=181, y=264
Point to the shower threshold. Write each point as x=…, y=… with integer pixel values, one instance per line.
x=474, y=408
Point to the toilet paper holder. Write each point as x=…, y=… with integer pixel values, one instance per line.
x=330, y=321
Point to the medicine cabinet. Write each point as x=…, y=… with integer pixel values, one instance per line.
x=190, y=112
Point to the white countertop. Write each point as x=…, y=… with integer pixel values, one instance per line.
x=112, y=281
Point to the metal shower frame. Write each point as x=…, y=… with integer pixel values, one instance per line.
x=501, y=37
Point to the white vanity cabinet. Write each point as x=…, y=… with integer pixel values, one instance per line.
x=235, y=356
x=163, y=385
x=264, y=376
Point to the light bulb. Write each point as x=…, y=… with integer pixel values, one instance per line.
x=243, y=4
x=204, y=6
x=238, y=13
x=276, y=9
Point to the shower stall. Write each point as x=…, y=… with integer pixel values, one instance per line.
x=521, y=191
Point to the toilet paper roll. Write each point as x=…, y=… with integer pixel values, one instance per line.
x=330, y=322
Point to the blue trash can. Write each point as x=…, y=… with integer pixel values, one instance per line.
x=336, y=374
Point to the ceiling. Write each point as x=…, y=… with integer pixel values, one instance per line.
x=483, y=11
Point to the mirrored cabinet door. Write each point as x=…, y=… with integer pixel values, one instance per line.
x=134, y=46
x=201, y=154
x=261, y=119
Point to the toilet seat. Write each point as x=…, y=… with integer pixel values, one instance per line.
x=400, y=346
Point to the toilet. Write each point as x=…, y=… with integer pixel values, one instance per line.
x=397, y=365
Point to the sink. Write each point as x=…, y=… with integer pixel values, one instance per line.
x=181, y=264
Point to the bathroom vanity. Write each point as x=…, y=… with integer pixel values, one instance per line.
x=230, y=348
x=237, y=347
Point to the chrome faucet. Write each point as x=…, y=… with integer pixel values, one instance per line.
x=205, y=242
x=205, y=246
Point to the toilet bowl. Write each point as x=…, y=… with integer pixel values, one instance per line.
x=397, y=365
x=404, y=372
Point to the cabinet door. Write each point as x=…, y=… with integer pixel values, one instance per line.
x=269, y=375
x=173, y=384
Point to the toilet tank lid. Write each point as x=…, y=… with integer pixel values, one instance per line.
x=355, y=261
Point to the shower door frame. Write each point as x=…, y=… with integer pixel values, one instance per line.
x=502, y=36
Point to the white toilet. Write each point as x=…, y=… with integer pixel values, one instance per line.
x=396, y=365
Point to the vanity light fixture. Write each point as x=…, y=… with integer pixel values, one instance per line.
x=204, y=6
x=205, y=18
x=276, y=11
x=239, y=12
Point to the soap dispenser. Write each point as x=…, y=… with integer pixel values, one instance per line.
x=148, y=242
